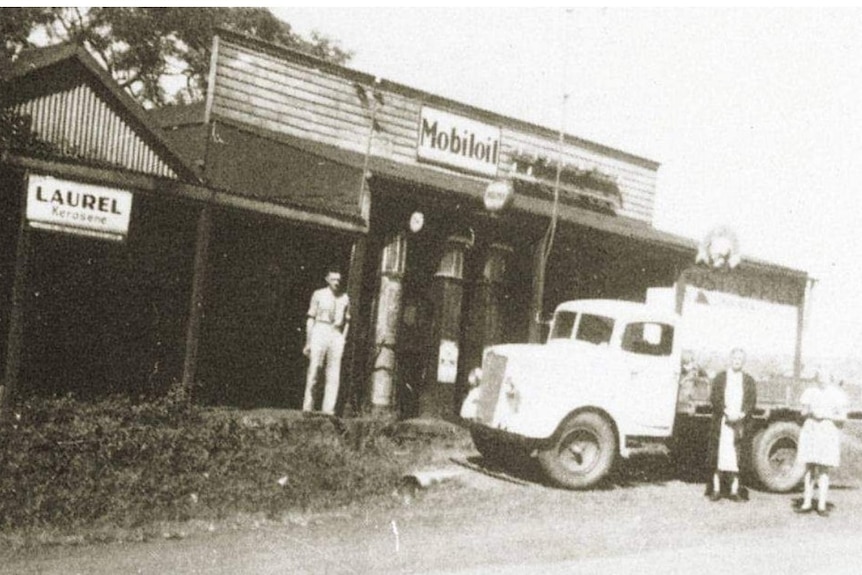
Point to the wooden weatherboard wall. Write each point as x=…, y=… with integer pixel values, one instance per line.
x=289, y=93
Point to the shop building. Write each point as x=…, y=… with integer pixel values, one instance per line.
x=195, y=281
x=98, y=232
x=438, y=212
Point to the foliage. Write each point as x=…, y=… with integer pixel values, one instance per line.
x=544, y=168
x=160, y=55
x=16, y=25
x=66, y=464
x=16, y=134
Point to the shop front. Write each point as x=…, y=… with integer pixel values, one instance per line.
x=98, y=227
x=456, y=228
x=126, y=272
x=453, y=278
x=450, y=279
x=476, y=224
x=283, y=213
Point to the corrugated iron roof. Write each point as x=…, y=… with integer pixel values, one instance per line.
x=45, y=60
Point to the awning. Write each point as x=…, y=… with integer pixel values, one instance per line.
x=473, y=187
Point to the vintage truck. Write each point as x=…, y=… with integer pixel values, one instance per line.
x=607, y=381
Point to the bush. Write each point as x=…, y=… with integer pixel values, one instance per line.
x=119, y=462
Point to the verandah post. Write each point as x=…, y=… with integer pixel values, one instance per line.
x=14, y=343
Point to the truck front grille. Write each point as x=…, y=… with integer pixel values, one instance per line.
x=493, y=371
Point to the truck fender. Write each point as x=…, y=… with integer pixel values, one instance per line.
x=622, y=450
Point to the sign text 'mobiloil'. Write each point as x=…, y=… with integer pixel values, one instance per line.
x=458, y=141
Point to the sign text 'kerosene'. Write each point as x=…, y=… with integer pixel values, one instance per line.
x=78, y=208
x=445, y=138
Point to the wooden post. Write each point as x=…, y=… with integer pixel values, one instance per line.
x=801, y=313
x=679, y=294
x=537, y=306
x=9, y=387
x=357, y=334
x=202, y=244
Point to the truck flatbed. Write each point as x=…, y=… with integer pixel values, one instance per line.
x=775, y=394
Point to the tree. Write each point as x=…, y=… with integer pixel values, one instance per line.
x=159, y=55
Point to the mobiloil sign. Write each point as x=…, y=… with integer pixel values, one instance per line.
x=456, y=141
x=77, y=208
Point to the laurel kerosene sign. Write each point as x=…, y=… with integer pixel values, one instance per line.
x=457, y=141
x=77, y=208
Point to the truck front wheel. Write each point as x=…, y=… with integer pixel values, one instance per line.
x=773, y=457
x=582, y=452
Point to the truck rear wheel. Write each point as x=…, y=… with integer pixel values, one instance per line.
x=582, y=453
x=773, y=457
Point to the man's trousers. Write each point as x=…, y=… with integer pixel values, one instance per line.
x=327, y=347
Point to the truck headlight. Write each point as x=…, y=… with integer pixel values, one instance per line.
x=513, y=396
x=475, y=377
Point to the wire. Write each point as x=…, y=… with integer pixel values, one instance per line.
x=555, y=208
x=364, y=200
x=550, y=233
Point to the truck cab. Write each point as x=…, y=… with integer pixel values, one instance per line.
x=607, y=374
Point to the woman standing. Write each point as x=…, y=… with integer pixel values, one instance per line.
x=824, y=407
x=733, y=397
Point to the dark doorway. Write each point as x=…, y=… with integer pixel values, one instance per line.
x=260, y=280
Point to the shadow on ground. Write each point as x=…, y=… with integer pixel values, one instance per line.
x=639, y=469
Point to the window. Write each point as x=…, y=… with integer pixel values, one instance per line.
x=564, y=323
x=648, y=338
x=595, y=329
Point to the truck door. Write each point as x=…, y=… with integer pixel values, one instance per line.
x=647, y=348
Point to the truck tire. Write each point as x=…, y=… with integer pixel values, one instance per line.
x=773, y=457
x=582, y=452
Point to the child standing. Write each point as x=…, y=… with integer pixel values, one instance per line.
x=824, y=410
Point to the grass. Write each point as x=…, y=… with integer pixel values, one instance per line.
x=74, y=472
x=120, y=470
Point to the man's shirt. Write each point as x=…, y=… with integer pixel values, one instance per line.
x=326, y=307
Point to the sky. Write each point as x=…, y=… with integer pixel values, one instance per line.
x=753, y=114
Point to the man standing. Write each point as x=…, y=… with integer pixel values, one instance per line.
x=325, y=332
x=733, y=397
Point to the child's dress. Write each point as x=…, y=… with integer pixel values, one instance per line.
x=820, y=439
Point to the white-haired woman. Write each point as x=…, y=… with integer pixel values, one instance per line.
x=824, y=407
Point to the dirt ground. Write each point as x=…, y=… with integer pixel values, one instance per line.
x=646, y=520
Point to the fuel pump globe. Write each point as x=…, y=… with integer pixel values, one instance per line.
x=417, y=222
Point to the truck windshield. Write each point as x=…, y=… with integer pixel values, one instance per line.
x=564, y=323
x=595, y=329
